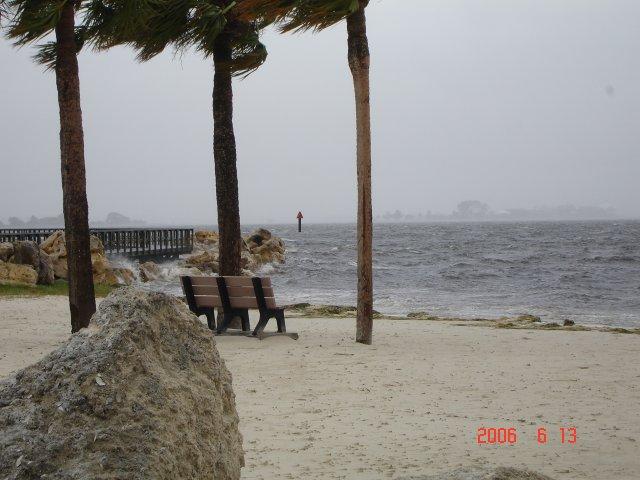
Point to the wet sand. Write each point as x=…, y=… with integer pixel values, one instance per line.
x=324, y=407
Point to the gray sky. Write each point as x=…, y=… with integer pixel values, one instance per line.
x=517, y=104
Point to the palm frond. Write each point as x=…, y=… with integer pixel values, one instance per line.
x=4, y=11
x=33, y=19
x=151, y=26
x=300, y=15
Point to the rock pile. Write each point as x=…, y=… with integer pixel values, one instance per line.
x=258, y=248
x=25, y=263
x=103, y=271
x=142, y=393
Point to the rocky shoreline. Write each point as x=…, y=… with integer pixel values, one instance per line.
x=528, y=322
x=26, y=263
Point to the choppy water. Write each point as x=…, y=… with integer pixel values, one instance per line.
x=585, y=271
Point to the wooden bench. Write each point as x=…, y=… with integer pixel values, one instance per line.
x=235, y=295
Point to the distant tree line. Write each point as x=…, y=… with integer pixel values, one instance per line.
x=474, y=210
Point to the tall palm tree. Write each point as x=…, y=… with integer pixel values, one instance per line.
x=30, y=21
x=316, y=15
x=218, y=29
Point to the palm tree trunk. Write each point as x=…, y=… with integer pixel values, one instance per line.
x=82, y=301
x=358, y=55
x=224, y=153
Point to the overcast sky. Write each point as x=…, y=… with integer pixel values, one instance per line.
x=517, y=104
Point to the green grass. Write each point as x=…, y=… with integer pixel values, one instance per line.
x=60, y=287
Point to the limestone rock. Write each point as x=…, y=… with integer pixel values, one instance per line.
x=258, y=237
x=265, y=247
x=54, y=244
x=46, y=272
x=206, y=237
x=15, y=274
x=103, y=271
x=6, y=251
x=142, y=393
x=184, y=271
x=124, y=276
x=206, y=261
x=28, y=253
x=150, y=271
x=258, y=248
x=248, y=261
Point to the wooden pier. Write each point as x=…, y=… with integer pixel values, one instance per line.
x=138, y=243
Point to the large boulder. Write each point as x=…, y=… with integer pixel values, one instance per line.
x=206, y=261
x=14, y=274
x=6, y=251
x=179, y=271
x=29, y=253
x=26, y=252
x=103, y=271
x=257, y=237
x=150, y=271
x=46, y=273
x=265, y=247
x=54, y=244
x=141, y=393
x=205, y=237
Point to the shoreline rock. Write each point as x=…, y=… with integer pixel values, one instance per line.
x=15, y=274
x=142, y=393
x=25, y=252
x=260, y=247
x=149, y=272
x=103, y=271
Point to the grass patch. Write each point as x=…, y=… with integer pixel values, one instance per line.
x=59, y=287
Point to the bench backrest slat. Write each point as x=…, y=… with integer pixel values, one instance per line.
x=245, y=281
x=206, y=290
x=208, y=301
x=204, y=281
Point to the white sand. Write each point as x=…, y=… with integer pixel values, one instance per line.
x=325, y=407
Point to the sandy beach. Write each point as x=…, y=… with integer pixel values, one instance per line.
x=325, y=407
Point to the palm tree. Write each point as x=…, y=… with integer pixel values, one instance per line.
x=296, y=15
x=31, y=20
x=219, y=30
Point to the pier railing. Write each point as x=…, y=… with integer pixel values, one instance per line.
x=141, y=243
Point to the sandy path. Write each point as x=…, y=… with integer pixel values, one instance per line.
x=325, y=407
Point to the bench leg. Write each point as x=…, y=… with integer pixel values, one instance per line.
x=264, y=318
x=282, y=328
x=246, y=326
x=211, y=319
x=227, y=317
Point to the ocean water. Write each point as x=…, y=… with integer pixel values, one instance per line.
x=588, y=272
